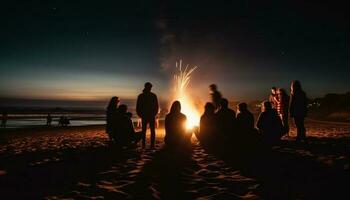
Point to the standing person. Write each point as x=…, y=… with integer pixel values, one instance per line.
x=282, y=106
x=48, y=120
x=298, y=109
x=215, y=96
x=4, y=119
x=273, y=96
x=147, y=109
x=112, y=117
x=61, y=121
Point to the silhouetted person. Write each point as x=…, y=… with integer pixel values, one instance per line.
x=126, y=133
x=273, y=96
x=208, y=123
x=282, y=102
x=147, y=109
x=215, y=96
x=245, y=119
x=112, y=116
x=61, y=121
x=226, y=120
x=298, y=109
x=66, y=121
x=4, y=119
x=269, y=123
x=48, y=120
x=175, y=126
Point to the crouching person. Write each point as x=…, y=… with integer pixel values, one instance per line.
x=127, y=135
x=269, y=124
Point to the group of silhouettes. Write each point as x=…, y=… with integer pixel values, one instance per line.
x=119, y=125
x=218, y=122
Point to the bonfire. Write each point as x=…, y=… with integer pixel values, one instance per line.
x=182, y=79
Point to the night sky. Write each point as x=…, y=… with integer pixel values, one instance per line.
x=90, y=50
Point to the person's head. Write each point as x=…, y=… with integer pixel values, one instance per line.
x=175, y=107
x=266, y=105
x=213, y=87
x=223, y=103
x=295, y=87
x=242, y=107
x=113, y=103
x=273, y=90
x=209, y=108
x=123, y=108
x=281, y=92
x=148, y=86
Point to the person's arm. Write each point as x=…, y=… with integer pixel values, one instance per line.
x=130, y=126
x=291, y=105
x=139, y=106
x=156, y=107
x=259, y=122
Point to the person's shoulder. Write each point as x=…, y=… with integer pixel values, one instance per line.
x=140, y=95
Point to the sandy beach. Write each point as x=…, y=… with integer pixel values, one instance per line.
x=78, y=163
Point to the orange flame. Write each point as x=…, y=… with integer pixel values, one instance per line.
x=182, y=79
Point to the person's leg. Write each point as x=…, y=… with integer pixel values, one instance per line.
x=285, y=124
x=302, y=128
x=137, y=136
x=153, y=131
x=143, y=132
x=299, y=123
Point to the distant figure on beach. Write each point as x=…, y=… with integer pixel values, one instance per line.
x=112, y=116
x=282, y=106
x=48, y=120
x=215, y=96
x=208, y=123
x=269, y=123
x=126, y=133
x=298, y=109
x=147, y=109
x=66, y=121
x=273, y=96
x=61, y=121
x=4, y=119
x=175, y=126
x=245, y=119
x=226, y=120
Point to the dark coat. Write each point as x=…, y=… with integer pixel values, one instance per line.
x=226, y=120
x=298, y=104
x=175, y=128
x=147, y=105
x=245, y=121
x=207, y=126
x=270, y=124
